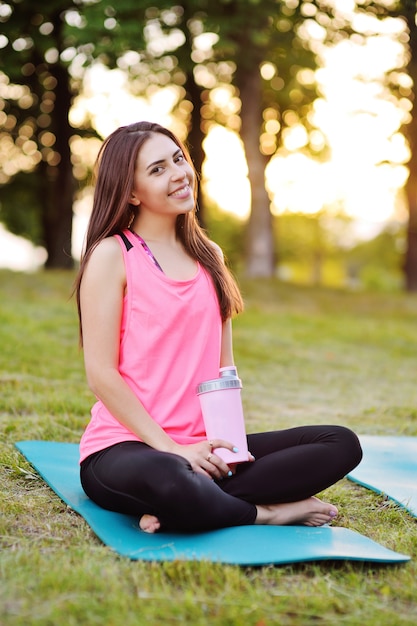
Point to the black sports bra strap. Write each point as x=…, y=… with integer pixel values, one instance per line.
x=126, y=241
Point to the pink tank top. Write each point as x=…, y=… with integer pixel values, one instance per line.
x=170, y=342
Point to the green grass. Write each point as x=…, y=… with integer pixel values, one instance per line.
x=305, y=356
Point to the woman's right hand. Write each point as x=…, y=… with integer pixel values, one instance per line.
x=202, y=458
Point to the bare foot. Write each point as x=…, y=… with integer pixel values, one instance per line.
x=149, y=523
x=310, y=512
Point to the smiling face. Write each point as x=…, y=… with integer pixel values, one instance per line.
x=164, y=180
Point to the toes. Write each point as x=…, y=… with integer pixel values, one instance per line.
x=149, y=523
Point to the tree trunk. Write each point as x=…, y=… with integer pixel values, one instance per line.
x=260, y=254
x=195, y=139
x=60, y=184
x=410, y=265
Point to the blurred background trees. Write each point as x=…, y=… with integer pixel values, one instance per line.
x=35, y=140
x=398, y=85
x=45, y=48
x=247, y=65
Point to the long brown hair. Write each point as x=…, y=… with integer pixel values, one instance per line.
x=112, y=211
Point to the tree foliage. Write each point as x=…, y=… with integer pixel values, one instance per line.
x=262, y=53
x=35, y=138
x=45, y=46
x=398, y=85
x=256, y=52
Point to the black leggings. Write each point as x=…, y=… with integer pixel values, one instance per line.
x=291, y=465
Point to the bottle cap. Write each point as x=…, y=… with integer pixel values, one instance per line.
x=229, y=370
x=226, y=382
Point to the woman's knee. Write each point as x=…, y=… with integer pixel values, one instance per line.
x=172, y=478
x=349, y=445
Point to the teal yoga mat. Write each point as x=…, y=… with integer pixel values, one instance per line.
x=57, y=463
x=389, y=466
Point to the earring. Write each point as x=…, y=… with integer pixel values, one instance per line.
x=132, y=217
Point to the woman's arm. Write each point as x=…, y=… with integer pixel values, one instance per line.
x=226, y=350
x=226, y=353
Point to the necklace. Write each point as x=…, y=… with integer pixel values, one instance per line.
x=147, y=250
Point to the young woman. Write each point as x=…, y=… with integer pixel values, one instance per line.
x=155, y=302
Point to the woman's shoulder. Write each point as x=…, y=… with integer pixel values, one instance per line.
x=107, y=257
x=107, y=249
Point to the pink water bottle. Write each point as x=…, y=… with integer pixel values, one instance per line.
x=221, y=405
